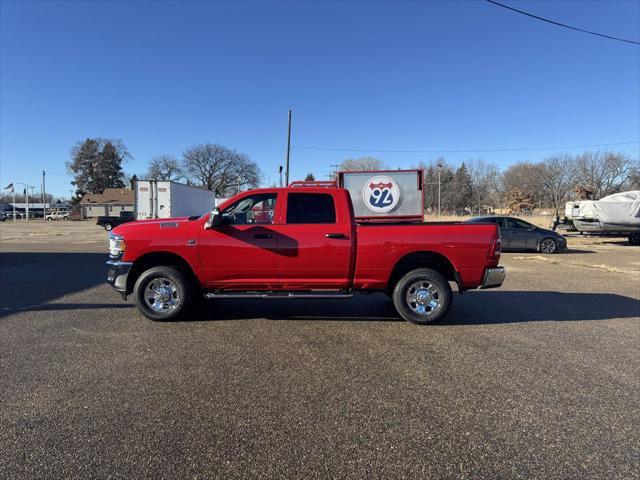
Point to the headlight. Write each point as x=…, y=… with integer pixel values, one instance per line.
x=117, y=245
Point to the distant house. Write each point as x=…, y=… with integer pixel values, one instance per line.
x=108, y=203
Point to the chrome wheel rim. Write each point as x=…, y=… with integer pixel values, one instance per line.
x=424, y=298
x=548, y=246
x=161, y=295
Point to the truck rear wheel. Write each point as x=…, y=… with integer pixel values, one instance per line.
x=108, y=227
x=422, y=296
x=162, y=293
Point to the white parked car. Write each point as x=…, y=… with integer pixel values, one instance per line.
x=57, y=216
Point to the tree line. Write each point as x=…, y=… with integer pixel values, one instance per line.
x=477, y=186
x=36, y=197
x=474, y=187
x=96, y=164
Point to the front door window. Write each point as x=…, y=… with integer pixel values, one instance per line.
x=252, y=210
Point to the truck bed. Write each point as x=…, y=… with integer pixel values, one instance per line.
x=382, y=245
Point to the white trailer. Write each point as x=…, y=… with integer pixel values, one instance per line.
x=166, y=199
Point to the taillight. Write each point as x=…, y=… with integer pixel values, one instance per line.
x=495, y=249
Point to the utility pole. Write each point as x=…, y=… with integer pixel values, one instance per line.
x=334, y=172
x=286, y=175
x=32, y=187
x=13, y=191
x=26, y=192
x=44, y=198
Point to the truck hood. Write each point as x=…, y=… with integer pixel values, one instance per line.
x=163, y=223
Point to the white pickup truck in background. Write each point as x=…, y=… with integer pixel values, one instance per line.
x=57, y=216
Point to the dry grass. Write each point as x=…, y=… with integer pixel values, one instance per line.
x=56, y=232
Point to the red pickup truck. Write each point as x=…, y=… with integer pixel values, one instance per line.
x=299, y=243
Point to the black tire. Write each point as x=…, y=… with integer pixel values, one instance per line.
x=634, y=239
x=439, y=291
x=548, y=246
x=49, y=219
x=179, y=293
x=108, y=227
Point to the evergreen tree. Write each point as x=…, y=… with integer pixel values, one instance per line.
x=83, y=165
x=132, y=181
x=96, y=164
x=462, y=188
x=110, y=167
x=309, y=178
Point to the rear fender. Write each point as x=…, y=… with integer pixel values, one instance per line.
x=427, y=259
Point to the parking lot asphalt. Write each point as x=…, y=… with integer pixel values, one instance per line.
x=537, y=379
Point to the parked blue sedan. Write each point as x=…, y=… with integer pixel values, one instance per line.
x=518, y=235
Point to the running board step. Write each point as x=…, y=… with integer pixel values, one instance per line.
x=288, y=295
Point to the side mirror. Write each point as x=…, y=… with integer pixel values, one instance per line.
x=214, y=220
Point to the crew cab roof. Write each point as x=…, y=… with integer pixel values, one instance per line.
x=299, y=189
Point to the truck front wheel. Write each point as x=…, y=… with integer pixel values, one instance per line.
x=422, y=296
x=162, y=293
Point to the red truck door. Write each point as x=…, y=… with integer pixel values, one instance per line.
x=314, y=241
x=241, y=253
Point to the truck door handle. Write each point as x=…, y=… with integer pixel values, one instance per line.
x=262, y=235
x=335, y=235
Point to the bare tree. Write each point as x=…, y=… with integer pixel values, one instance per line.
x=519, y=201
x=498, y=190
x=220, y=169
x=164, y=167
x=524, y=177
x=484, y=179
x=557, y=179
x=603, y=173
x=633, y=182
x=363, y=164
x=21, y=198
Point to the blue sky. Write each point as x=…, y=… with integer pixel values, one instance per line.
x=433, y=75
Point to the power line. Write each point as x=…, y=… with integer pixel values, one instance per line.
x=521, y=149
x=562, y=24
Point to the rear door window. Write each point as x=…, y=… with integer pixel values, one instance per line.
x=522, y=225
x=310, y=208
